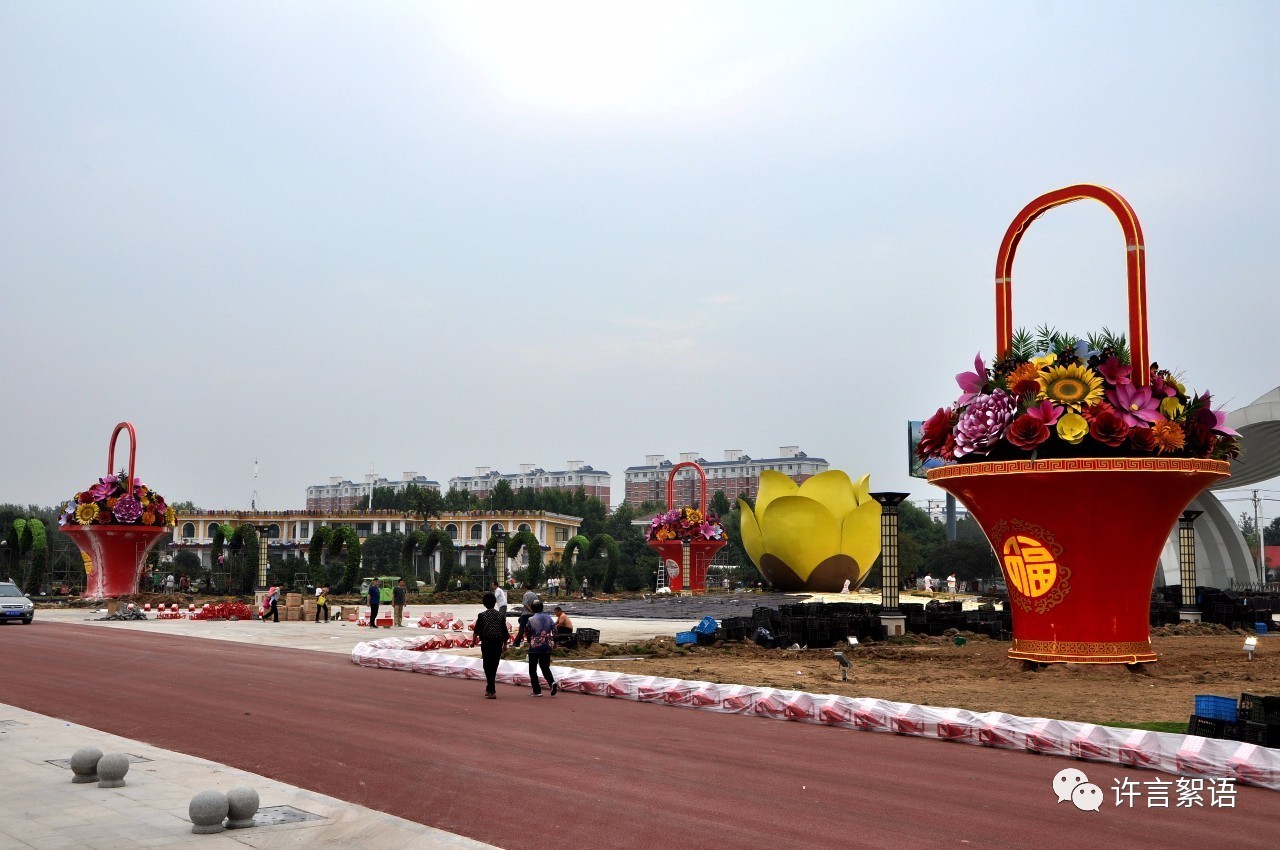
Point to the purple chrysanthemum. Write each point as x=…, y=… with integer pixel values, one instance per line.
x=983, y=422
x=128, y=509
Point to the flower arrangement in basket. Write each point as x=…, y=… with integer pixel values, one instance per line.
x=1057, y=395
x=685, y=524
x=116, y=501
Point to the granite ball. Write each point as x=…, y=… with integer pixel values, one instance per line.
x=242, y=805
x=84, y=764
x=111, y=770
x=207, y=810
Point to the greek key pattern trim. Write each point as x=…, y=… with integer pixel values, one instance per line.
x=1082, y=648
x=1081, y=464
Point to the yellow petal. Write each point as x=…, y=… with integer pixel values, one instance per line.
x=800, y=532
x=752, y=540
x=862, y=489
x=833, y=489
x=772, y=485
x=860, y=535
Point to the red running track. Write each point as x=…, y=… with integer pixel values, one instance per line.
x=575, y=770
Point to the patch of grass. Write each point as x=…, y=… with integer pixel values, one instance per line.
x=1174, y=726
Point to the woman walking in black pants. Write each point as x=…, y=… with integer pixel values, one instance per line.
x=542, y=636
x=490, y=631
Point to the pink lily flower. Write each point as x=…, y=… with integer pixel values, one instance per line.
x=971, y=382
x=1215, y=419
x=1046, y=411
x=1114, y=372
x=1136, y=405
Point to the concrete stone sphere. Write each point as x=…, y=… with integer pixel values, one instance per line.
x=84, y=764
x=207, y=810
x=242, y=805
x=111, y=770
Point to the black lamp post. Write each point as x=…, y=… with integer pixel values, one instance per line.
x=894, y=621
x=1189, y=612
x=500, y=555
x=262, y=555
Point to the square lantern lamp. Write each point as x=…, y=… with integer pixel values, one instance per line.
x=500, y=555
x=889, y=547
x=1189, y=612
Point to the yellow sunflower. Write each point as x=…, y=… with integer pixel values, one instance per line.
x=1073, y=385
x=86, y=514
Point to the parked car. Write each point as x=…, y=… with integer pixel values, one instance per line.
x=14, y=604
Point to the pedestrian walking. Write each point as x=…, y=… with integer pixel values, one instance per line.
x=322, y=603
x=490, y=631
x=586, y=587
x=375, y=599
x=399, y=596
x=271, y=605
x=500, y=598
x=542, y=636
x=168, y=583
x=951, y=584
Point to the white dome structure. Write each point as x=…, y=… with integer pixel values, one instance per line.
x=1222, y=558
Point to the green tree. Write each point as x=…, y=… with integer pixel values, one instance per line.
x=425, y=502
x=1271, y=534
x=380, y=553
x=502, y=498
x=720, y=503
x=459, y=500
x=968, y=559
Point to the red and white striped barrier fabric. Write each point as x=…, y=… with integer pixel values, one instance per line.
x=1186, y=755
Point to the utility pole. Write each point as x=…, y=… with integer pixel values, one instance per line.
x=1257, y=529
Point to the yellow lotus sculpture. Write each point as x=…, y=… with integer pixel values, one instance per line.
x=812, y=536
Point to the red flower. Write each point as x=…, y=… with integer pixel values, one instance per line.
x=1027, y=432
x=948, y=452
x=1107, y=427
x=1200, y=439
x=934, y=434
x=1143, y=439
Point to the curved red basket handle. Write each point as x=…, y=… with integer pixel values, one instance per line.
x=1135, y=268
x=133, y=452
x=671, y=484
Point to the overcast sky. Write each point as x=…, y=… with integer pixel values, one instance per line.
x=429, y=237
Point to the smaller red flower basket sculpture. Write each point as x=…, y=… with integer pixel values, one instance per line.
x=686, y=539
x=115, y=522
x=1077, y=457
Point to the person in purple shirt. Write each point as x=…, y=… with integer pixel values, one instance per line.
x=541, y=631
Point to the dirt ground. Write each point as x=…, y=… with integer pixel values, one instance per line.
x=979, y=676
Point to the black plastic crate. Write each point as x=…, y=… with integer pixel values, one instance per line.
x=1260, y=709
x=1262, y=734
x=586, y=637
x=1207, y=727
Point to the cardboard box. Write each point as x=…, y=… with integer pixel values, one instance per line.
x=293, y=613
x=293, y=600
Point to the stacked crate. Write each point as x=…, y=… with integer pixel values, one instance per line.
x=293, y=606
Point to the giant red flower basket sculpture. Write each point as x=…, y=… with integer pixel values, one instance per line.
x=115, y=522
x=687, y=538
x=1077, y=458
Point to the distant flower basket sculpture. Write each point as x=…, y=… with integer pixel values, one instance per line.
x=813, y=536
x=115, y=522
x=1077, y=457
x=686, y=538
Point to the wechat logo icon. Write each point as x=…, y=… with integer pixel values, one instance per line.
x=1072, y=785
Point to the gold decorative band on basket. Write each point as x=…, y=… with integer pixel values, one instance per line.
x=1083, y=652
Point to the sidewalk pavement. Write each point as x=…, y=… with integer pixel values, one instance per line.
x=41, y=808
